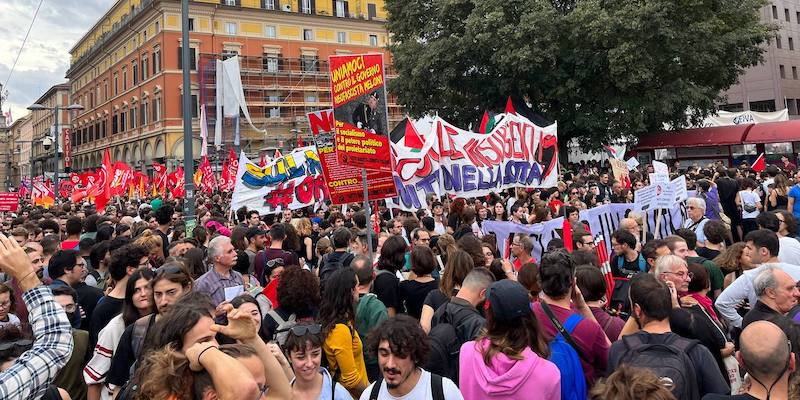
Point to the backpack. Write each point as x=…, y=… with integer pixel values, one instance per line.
x=669, y=361
x=437, y=388
x=565, y=354
x=445, y=346
x=619, y=296
x=331, y=264
x=282, y=331
x=140, y=328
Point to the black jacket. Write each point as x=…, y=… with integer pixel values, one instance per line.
x=463, y=316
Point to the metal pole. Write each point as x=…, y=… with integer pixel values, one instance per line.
x=188, y=153
x=55, y=133
x=368, y=212
x=237, y=147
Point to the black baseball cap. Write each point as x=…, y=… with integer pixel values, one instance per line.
x=254, y=232
x=508, y=300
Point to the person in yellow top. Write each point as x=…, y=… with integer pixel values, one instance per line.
x=342, y=346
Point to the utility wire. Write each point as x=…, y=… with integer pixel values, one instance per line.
x=19, y=53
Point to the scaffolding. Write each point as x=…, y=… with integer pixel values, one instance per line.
x=279, y=92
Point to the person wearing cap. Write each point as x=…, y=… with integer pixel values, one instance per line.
x=256, y=241
x=563, y=298
x=495, y=367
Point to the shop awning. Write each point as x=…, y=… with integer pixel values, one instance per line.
x=774, y=132
x=712, y=136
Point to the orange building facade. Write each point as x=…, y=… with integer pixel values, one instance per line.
x=126, y=72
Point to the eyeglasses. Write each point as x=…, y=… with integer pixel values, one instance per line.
x=70, y=308
x=5, y=303
x=681, y=274
x=17, y=343
x=301, y=330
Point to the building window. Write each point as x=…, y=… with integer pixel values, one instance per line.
x=230, y=28
x=145, y=67
x=156, y=60
x=268, y=4
x=114, y=124
x=311, y=98
x=191, y=24
x=192, y=58
x=306, y=6
x=157, y=109
x=122, y=126
x=373, y=40
x=275, y=112
x=158, y=26
x=794, y=73
x=309, y=63
x=116, y=84
x=271, y=63
x=105, y=90
x=372, y=11
x=144, y=35
x=783, y=72
x=341, y=8
x=270, y=32
x=143, y=112
x=774, y=12
x=134, y=71
x=791, y=44
x=230, y=2
x=132, y=117
x=124, y=79
x=226, y=54
x=786, y=14
x=274, y=97
x=341, y=37
x=308, y=34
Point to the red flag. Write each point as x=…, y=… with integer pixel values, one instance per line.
x=567, y=234
x=226, y=174
x=207, y=180
x=759, y=164
x=233, y=168
x=159, y=178
x=277, y=155
x=610, y=151
x=177, y=182
x=299, y=141
x=263, y=160
x=605, y=266
x=120, y=178
x=103, y=183
x=484, y=122
x=510, y=106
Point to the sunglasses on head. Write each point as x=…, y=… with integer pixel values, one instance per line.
x=301, y=330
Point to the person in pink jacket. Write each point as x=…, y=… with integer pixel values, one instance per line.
x=509, y=359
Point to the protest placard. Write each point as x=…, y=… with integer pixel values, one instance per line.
x=632, y=163
x=9, y=201
x=359, y=102
x=345, y=184
x=660, y=168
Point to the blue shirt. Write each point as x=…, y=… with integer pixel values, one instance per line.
x=794, y=193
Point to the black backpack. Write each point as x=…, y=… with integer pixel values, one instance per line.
x=445, y=346
x=437, y=388
x=333, y=262
x=669, y=361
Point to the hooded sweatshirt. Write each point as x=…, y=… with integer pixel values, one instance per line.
x=531, y=378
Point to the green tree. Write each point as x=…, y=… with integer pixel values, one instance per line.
x=603, y=69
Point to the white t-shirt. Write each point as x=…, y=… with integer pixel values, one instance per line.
x=749, y=198
x=698, y=229
x=12, y=320
x=420, y=392
x=789, y=251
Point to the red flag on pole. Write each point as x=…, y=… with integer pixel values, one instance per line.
x=567, y=234
x=299, y=141
x=510, y=106
x=103, y=182
x=605, y=266
x=484, y=122
x=759, y=164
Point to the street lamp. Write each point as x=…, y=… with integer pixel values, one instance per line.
x=47, y=142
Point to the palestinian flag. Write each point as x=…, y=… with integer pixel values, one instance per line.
x=759, y=164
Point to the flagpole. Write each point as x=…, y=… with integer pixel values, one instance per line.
x=188, y=153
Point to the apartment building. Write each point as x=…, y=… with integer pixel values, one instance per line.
x=127, y=72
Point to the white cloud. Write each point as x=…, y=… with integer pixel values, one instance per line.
x=45, y=58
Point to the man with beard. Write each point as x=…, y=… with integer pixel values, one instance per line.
x=402, y=347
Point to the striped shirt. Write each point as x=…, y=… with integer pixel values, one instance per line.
x=31, y=373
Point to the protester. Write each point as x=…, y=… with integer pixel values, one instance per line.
x=401, y=347
x=222, y=256
x=370, y=311
x=303, y=348
x=459, y=265
x=412, y=292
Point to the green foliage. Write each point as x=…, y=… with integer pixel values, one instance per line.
x=604, y=69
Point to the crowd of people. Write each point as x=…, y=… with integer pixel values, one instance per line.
x=125, y=303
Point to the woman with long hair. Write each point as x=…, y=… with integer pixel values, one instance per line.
x=454, y=217
x=499, y=212
x=733, y=261
x=458, y=266
x=778, y=197
x=136, y=304
x=509, y=359
x=311, y=381
x=307, y=241
x=342, y=346
x=788, y=224
x=393, y=259
x=413, y=291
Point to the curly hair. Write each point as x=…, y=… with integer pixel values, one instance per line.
x=150, y=240
x=125, y=257
x=163, y=374
x=298, y=291
x=628, y=383
x=336, y=305
x=405, y=336
x=730, y=260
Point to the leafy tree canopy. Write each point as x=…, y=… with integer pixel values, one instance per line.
x=604, y=69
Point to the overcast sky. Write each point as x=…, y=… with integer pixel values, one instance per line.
x=45, y=58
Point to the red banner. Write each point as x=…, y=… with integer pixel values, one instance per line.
x=207, y=179
x=159, y=178
x=101, y=190
x=345, y=183
x=9, y=201
x=177, y=182
x=67, y=143
x=233, y=168
x=359, y=102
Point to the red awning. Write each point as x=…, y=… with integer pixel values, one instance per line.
x=712, y=136
x=773, y=132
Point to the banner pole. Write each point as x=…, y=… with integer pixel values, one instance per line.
x=645, y=222
x=658, y=223
x=368, y=211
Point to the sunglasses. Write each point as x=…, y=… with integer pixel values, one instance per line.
x=301, y=330
x=18, y=343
